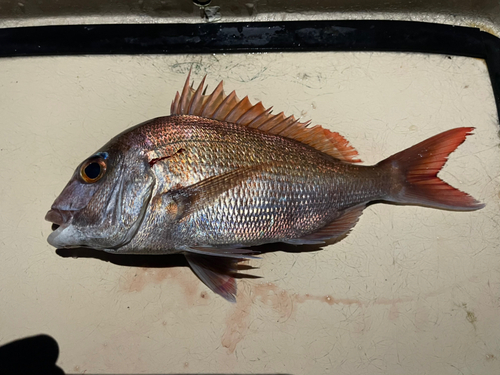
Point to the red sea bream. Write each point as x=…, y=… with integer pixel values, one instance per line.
x=220, y=175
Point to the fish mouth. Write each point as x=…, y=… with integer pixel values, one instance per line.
x=58, y=218
x=61, y=222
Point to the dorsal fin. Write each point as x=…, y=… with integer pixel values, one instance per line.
x=219, y=106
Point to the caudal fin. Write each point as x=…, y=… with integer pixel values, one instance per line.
x=420, y=165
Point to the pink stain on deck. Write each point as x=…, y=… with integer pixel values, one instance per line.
x=279, y=300
x=140, y=278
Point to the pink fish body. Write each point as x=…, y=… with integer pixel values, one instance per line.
x=220, y=175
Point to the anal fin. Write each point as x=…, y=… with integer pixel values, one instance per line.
x=233, y=251
x=336, y=229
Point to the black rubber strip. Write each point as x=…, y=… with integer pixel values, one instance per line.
x=132, y=39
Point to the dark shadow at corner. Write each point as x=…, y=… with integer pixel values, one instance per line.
x=31, y=355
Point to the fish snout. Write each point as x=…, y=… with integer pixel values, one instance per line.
x=58, y=217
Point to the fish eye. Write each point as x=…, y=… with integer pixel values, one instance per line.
x=93, y=170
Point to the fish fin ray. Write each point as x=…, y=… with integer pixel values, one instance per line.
x=417, y=168
x=225, y=107
x=302, y=241
x=340, y=227
x=174, y=108
x=252, y=113
x=222, y=107
x=240, y=109
x=222, y=251
x=196, y=102
x=190, y=198
x=215, y=274
x=213, y=101
x=186, y=96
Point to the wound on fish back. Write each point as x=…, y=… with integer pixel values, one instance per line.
x=154, y=161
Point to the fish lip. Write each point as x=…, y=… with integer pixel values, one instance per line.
x=61, y=218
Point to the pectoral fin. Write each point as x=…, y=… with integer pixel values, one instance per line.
x=191, y=198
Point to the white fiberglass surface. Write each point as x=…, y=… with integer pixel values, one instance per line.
x=411, y=290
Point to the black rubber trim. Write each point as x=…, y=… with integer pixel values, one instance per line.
x=395, y=36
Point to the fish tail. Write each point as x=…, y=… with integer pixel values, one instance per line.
x=414, y=173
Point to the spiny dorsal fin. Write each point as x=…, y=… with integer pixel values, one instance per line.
x=229, y=108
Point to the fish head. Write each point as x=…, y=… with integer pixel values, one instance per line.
x=105, y=201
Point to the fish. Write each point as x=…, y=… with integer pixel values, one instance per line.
x=220, y=176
